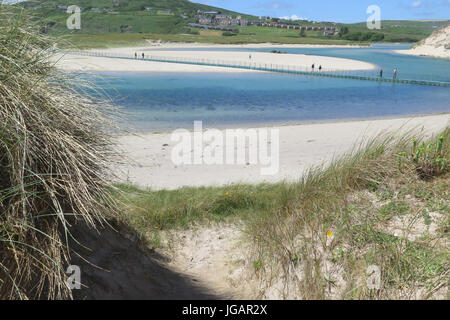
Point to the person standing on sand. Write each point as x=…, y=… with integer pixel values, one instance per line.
x=320, y=68
x=135, y=55
x=250, y=57
x=143, y=55
x=312, y=67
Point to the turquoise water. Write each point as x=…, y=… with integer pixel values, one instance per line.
x=382, y=55
x=166, y=101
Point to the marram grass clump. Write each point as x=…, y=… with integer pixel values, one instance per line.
x=53, y=162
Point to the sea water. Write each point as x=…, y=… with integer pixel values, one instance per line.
x=166, y=101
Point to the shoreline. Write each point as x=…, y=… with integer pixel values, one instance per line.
x=149, y=163
x=293, y=124
x=424, y=53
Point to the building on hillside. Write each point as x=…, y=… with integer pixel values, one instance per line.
x=244, y=22
x=329, y=33
x=149, y=9
x=205, y=20
x=222, y=21
x=223, y=16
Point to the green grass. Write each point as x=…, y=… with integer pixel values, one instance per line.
x=129, y=16
x=103, y=41
x=86, y=41
x=401, y=30
x=358, y=199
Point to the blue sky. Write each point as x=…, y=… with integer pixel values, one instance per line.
x=338, y=10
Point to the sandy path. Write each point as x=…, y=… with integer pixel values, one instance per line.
x=149, y=162
x=213, y=255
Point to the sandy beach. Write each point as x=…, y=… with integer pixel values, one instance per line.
x=149, y=162
x=88, y=63
x=427, y=51
x=437, y=45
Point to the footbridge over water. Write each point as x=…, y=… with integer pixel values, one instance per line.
x=364, y=75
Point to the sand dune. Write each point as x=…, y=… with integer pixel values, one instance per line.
x=436, y=45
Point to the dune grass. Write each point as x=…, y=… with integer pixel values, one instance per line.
x=316, y=238
x=54, y=154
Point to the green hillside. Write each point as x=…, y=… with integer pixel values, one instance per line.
x=403, y=30
x=123, y=16
x=127, y=22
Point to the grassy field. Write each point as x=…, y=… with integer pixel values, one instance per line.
x=410, y=32
x=126, y=17
x=86, y=41
x=386, y=204
x=403, y=31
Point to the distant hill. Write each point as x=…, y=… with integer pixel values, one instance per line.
x=167, y=20
x=403, y=30
x=436, y=45
x=120, y=16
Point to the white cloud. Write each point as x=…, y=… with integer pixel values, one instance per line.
x=293, y=17
x=416, y=4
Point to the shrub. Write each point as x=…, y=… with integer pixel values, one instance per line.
x=54, y=155
x=430, y=158
x=229, y=34
x=364, y=36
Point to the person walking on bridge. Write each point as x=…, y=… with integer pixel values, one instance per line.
x=312, y=67
x=395, y=73
x=381, y=73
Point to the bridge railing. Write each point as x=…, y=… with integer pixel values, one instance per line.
x=373, y=74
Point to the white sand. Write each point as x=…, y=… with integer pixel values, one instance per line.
x=437, y=45
x=149, y=163
x=84, y=63
x=427, y=51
